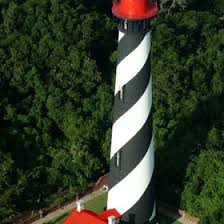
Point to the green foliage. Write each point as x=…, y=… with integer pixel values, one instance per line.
x=55, y=99
x=203, y=193
x=188, y=101
x=214, y=6
x=7, y=185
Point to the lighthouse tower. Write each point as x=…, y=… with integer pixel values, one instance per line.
x=131, y=181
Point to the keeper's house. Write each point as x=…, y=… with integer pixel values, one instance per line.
x=84, y=216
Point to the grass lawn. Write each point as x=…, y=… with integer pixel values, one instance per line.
x=97, y=205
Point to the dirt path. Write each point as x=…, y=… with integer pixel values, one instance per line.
x=67, y=208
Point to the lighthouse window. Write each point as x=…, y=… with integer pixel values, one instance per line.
x=125, y=24
x=118, y=157
x=121, y=92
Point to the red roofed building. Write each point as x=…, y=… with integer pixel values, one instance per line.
x=84, y=216
x=110, y=212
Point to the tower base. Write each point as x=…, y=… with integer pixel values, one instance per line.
x=153, y=221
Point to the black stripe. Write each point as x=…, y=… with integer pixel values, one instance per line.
x=131, y=154
x=128, y=43
x=132, y=91
x=142, y=211
x=130, y=26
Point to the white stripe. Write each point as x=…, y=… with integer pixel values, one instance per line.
x=128, y=191
x=120, y=35
x=132, y=121
x=153, y=213
x=130, y=66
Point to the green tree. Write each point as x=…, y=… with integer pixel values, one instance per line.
x=188, y=92
x=203, y=193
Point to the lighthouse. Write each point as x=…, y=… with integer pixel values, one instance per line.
x=131, y=180
x=131, y=195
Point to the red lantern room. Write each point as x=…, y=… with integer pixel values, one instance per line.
x=135, y=9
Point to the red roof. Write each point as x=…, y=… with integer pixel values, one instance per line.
x=110, y=212
x=89, y=217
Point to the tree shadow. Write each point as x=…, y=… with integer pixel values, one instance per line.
x=100, y=5
x=187, y=141
x=167, y=217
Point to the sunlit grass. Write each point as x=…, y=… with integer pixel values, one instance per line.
x=97, y=204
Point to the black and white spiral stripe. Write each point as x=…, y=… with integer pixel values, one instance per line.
x=131, y=187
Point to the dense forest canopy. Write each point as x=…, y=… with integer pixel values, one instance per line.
x=57, y=71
